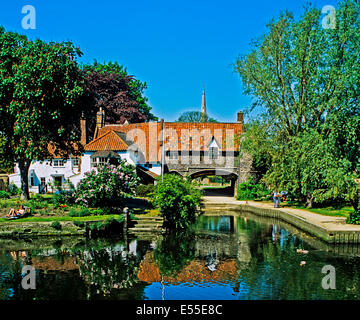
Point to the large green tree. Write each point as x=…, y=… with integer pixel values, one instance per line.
x=40, y=84
x=307, y=77
x=195, y=116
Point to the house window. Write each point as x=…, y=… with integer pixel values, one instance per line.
x=96, y=161
x=58, y=163
x=42, y=181
x=75, y=162
x=213, y=153
x=32, y=180
x=102, y=160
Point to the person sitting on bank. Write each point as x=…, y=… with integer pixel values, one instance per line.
x=16, y=213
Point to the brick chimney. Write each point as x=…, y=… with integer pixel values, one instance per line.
x=240, y=117
x=83, y=129
x=100, y=118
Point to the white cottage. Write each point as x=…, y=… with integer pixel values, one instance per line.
x=106, y=146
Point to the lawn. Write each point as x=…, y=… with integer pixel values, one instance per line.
x=43, y=209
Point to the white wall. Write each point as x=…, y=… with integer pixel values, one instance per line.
x=45, y=169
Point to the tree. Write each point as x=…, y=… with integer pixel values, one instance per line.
x=39, y=87
x=195, y=116
x=307, y=79
x=121, y=96
x=6, y=162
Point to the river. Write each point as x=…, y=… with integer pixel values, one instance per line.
x=225, y=257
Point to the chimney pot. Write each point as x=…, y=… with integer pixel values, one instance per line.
x=240, y=117
x=100, y=118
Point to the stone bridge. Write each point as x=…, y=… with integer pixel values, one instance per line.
x=235, y=169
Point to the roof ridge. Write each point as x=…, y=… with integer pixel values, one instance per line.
x=103, y=135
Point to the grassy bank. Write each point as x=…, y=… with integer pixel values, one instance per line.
x=62, y=218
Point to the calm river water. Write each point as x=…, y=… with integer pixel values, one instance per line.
x=221, y=257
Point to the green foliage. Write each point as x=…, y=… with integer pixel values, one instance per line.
x=79, y=224
x=39, y=89
x=13, y=189
x=144, y=190
x=307, y=79
x=178, y=200
x=56, y=225
x=4, y=194
x=354, y=218
x=251, y=191
x=79, y=212
x=174, y=252
x=195, y=116
x=106, y=227
x=106, y=185
x=6, y=159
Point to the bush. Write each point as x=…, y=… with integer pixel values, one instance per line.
x=106, y=185
x=144, y=190
x=13, y=189
x=63, y=198
x=79, y=212
x=56, y=225
x=79, y=224
x=177, y=200
x=4, y=194
x=36, y=204
x=354, y=218
x=251, y=191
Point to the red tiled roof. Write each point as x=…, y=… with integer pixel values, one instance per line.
x=194, y=271
x=109, y=140
x=178, y=136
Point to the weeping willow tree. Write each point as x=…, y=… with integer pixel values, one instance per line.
x=307, y=78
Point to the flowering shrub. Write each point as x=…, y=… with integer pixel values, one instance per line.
x=106, y=185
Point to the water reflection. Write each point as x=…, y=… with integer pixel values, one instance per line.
x=221, y=257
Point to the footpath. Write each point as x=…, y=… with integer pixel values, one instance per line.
x=328, y=228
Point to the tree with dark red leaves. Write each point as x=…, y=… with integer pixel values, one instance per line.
x=119, y=94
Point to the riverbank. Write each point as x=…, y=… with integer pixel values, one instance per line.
x=36, y=227
x=331, y=229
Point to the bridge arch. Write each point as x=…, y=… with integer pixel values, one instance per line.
x=229, y=175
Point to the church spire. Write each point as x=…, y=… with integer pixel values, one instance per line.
x=203, y=107
x=203, y=102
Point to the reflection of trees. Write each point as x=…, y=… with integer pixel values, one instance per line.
x=108, y=269
x=174, y=251
x=275, y=273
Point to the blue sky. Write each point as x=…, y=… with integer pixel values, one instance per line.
x=177, y=47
